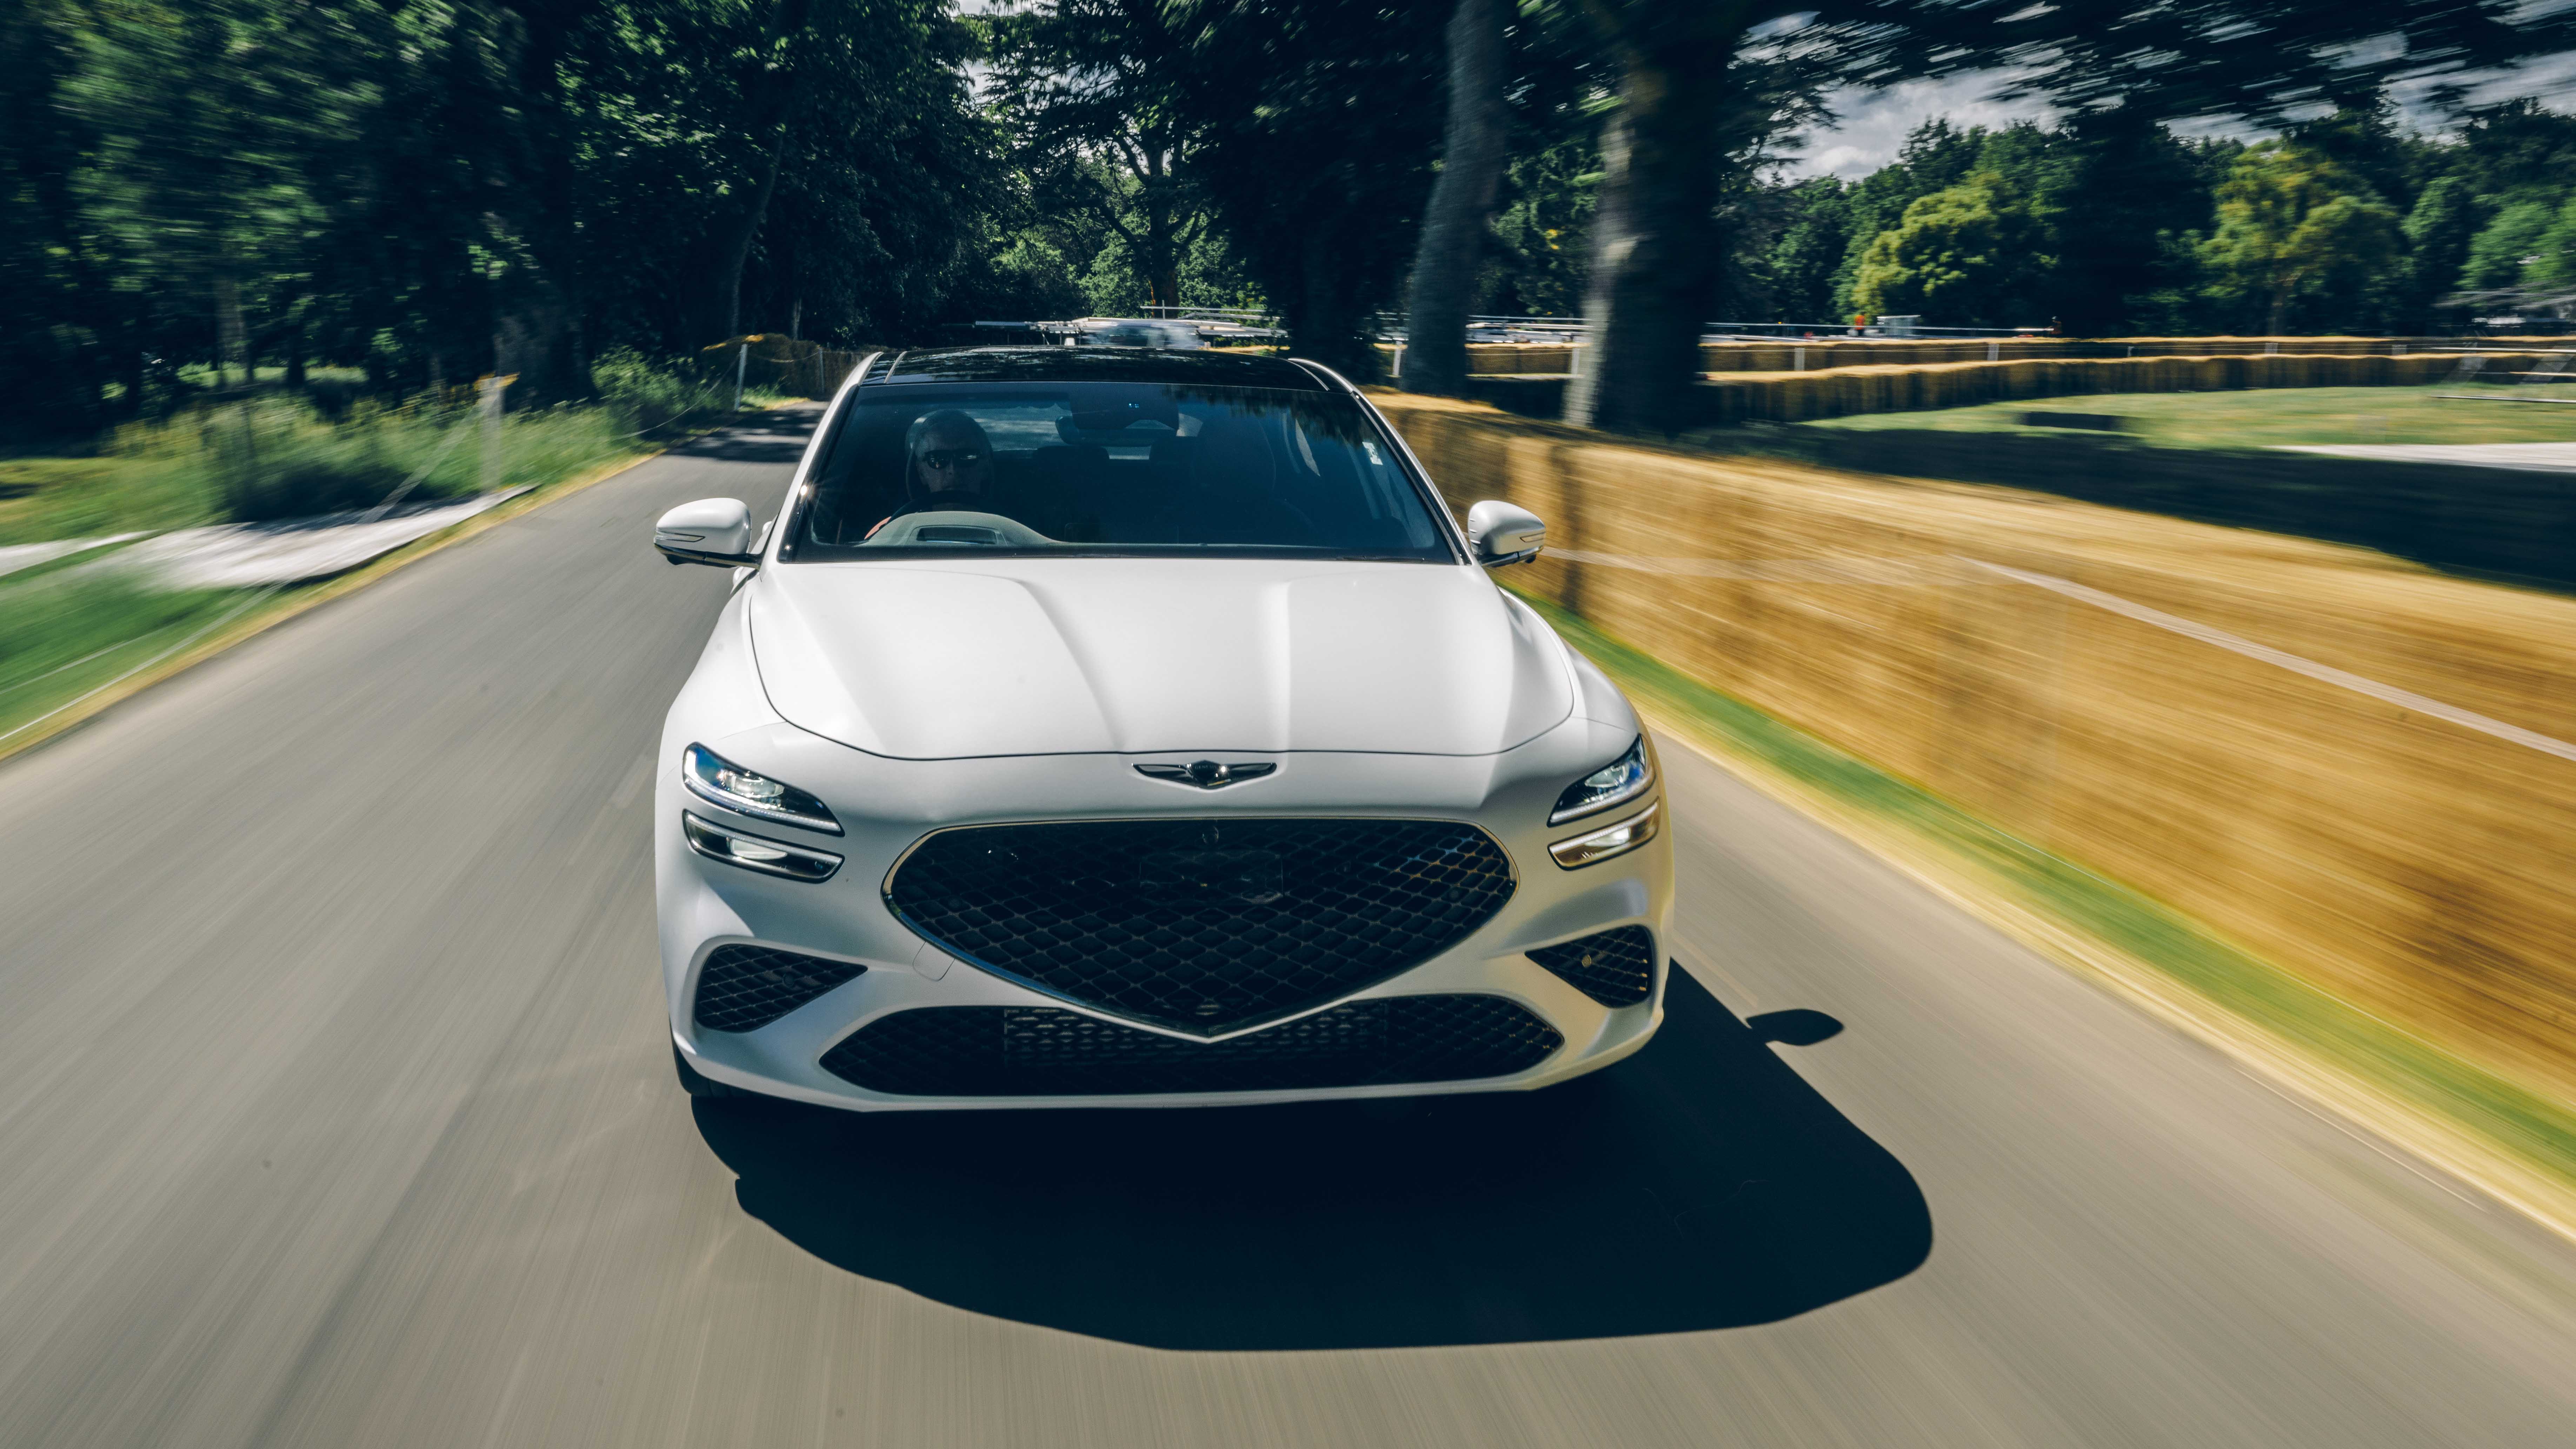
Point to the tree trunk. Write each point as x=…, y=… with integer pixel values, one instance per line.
x=1654, y=240
x=728, y=249
x=769, y=108
x=295, y=376
x=1462, y=203
x=232, y=345
x=537, y=306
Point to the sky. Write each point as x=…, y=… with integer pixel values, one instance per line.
x=1874, y=123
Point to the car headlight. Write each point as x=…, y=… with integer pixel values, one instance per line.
x=1612, y=840
x=1616, y=783
x=711, y=776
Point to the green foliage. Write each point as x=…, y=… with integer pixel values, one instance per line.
x=68, y=630
x=1814, y=238
x=431, y=192
x=2439, y=231
x=2498, y=256
x=2556, y=250
x=1969, y=251
x=1541, y=259
x=2295, y=227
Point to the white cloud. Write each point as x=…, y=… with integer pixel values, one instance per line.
x=1875, y=122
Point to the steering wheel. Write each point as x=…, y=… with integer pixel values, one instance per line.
x=956, y=529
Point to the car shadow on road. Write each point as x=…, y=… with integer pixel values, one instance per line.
x=1701, y=1184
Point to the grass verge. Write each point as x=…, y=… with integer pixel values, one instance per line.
x=47, y=686
x=2516, y=1144
x=2268, y=417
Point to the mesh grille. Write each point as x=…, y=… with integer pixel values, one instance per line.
x=743, y=988
x=1615, y=968
x=1200, y=925
x=1047, y=1051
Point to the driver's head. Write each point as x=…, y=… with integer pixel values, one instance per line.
x=949, y=453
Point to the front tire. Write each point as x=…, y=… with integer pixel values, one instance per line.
x=698, y=1084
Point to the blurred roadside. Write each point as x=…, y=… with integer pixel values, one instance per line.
x=2325, y=797
x=129, y=556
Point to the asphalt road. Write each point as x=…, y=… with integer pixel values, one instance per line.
x=336, y=1109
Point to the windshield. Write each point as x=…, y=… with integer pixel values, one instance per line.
x=1118, y=468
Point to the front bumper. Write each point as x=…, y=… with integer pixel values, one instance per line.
x=706, y=905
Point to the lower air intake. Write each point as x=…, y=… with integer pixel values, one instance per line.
x=1615, y=968
x=1047, y=1051
x=744, y=988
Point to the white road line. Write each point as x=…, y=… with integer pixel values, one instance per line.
x=2325, y=673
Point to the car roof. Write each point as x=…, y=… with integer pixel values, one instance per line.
x=1207, y=368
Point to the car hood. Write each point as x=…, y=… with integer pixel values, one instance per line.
x=941, y=660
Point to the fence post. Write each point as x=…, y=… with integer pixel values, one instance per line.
x=492, y=386
x=741, y=363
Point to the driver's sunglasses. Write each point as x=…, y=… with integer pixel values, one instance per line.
x=947, y=459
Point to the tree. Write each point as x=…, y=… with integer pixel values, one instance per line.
x=2293, y=225
x=2503, y=248
x=2128, y=194
x=1968, y=253
x=1462, y=201
x=1656, y=234
x=1098, y=130
x=2446, y=219
x=1809, y=251
x=2556, y=250
x=1314, y=163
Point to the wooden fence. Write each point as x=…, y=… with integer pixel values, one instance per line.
x=1824, y=354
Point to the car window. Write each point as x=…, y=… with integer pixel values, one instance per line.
x=1119, y=468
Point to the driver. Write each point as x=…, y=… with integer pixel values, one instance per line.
x=950, y=464
x=949, y=468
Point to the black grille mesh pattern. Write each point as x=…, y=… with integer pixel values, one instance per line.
x=1201, y=925
x=744, y=988
x=1047, y=1051
x=1615, y=968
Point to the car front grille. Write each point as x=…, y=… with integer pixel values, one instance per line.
x=1615, y=968
x=1203, y=926
x=744, y=988
x=1047, y=1051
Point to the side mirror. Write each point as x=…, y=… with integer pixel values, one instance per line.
x=710, y=531
x=1504, y=533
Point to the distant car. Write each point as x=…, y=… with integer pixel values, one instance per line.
x=1102, y=727
x=1170, y=336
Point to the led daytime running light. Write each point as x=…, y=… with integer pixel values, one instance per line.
x=712, y=777
x=1600, y=845
x=769, y=857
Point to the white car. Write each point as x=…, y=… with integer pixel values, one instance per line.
x=1130, y=728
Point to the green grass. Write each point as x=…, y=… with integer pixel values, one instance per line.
x=273, y=456
x=2533, y=1128
x=65, y=630
x=2264, y=417
x=76, y=495
x=65, y=633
